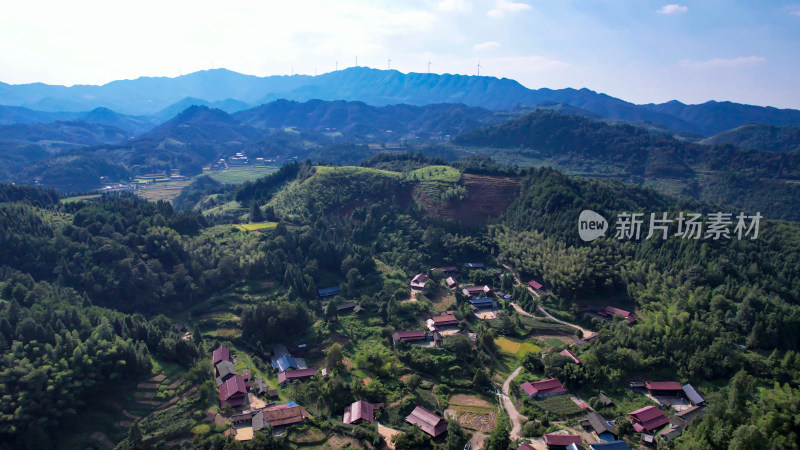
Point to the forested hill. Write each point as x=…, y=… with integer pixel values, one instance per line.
x=761, y=137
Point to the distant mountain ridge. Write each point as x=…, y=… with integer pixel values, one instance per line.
x=230, y=90
x=760, y=137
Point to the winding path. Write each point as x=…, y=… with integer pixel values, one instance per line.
x=587, y=334
x=517, y=419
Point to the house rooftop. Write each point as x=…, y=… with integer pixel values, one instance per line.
x=551, y=386
x=220, y=354
x=648, y=418
x=427, y=421
x=663, y=386
x=693, y=395
x=295, y=374
x=570, y=355
x=534, y=284
x=277, y=416
x=360, y=410
x=562, y=439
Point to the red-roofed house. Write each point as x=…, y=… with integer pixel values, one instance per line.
x=561, y=441
x=445, y=319
x=535, y=285
x=360, y=411
x=543, y=389
x=232, y=392
x=570, y=355
x=288, y=376
x=219, y=355
x=409, y=336
x=418, y=282
x=427, y=421
x=664, y=388
x=526, y=446
x=610, y=312
x=648, y=419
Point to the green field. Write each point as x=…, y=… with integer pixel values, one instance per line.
x=561, y=405
x=445, y=174
x=240, y=174
x=516, y=346
x=350, y=170
x=79, y=198
x=257, y=226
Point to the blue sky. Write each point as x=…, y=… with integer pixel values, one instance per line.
x=638, y=50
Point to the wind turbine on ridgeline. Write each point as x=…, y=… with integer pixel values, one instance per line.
x=479, y=67
x=389, y=63
x=429, y=66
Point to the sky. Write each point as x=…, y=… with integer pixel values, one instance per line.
x=642, y=51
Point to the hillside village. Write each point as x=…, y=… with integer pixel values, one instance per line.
x=251, y=404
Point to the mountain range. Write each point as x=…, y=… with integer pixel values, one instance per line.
x=231, y=91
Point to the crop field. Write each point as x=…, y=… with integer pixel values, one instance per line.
x=257, y=226
x=560, y=405
x=445, y=174
x=240, y=174
x=162, y=191
x=516, y=346
x=349, y=170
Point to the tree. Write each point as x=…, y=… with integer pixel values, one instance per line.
x=500, y=438
x=334, y=356
x=331, y=311
x=481, y=379
x=413, y=382
x=456, y=438
x=255, y=213
x=412, y=440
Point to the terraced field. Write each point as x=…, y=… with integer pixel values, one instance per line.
x=486, y=198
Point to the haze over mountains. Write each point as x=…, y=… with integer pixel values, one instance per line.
x=164, y=97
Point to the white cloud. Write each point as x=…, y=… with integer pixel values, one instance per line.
x=501, y=7
x=717, y=63
x=454, y=5
x=673, y=8
x=490, y=45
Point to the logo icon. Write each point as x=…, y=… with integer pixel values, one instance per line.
x=591, y=225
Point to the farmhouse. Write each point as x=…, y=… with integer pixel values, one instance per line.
x=570, y=355
x=285, y=362
x=664, y=388
x=283, y=415
x=604, y=399
x=561, y=441
x=535, y=285
x=225, y=371
x=418, y=282
x=480, y=303
x=526, y=446
x=444, y=320
x=427, y=421
x=409, y=336
x=288, y=376
x=471, y=265
x=452, y=284
x=219, y=355
x=543, y=389
x=233, y=392
x=648, y=419
x=691, y=394
x=448, y=269
x=328, y=292
x=360, y=411
x=609, y=312
x=600, y=426
x=477, y=291
x=260, y=387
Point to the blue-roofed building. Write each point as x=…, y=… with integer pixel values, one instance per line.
x=613, y=445
x=328, y=292
x=483, y=302
x=284, y=363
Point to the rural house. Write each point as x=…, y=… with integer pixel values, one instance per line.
x=225, y=371
x=288, y=376
x=600, y=426
x=561, y=441
x=328, y=292
x=233, y=392
x=427, y=421
x=477, y=291
x=360, y=411
x=409, y=336
x=284, y=415
x=535, y=285
x=611, y=445
x=543, y=389
x=691, y=394
x=448, y=269
x=452, y=284
x=219, y=355
x=648, y=419
x=418, y=282
x=664, y=388
x=570, y=355
x=609, y=312
x=444, y=320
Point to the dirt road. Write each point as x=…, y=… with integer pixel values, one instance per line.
x=517, y=419
x=587, y=334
